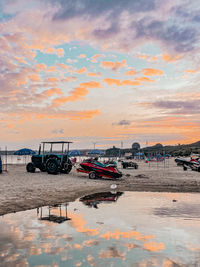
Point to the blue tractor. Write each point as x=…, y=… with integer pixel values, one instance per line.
x=51, y=162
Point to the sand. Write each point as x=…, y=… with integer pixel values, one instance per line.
x=20, y=190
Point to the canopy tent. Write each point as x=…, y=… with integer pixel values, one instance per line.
x=74, y=153
x=24, y=151
x=96, y=152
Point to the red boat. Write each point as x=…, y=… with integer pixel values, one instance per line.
x=96, y=169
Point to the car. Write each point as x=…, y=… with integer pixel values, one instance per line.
x=51, y=162
x=129, y=164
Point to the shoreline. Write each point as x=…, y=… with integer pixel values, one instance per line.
x=20, y=190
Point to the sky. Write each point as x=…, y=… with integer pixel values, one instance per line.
x=99, y=73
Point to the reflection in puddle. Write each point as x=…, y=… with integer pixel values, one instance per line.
x=94, y=199
x=135, y=229
x=57, y=217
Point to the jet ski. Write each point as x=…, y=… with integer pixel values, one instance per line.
x=96, y=169
x=192, y=163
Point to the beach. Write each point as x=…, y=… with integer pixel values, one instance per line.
x=20, y=190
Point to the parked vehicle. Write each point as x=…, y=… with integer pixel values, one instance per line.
x=51, y=162
x=129, y=164
x=96, y=169
x=193, y=164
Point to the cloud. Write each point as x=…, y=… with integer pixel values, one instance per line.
x=93, y=74
x=148, y=57
x=82, y=70
x=58, y=131
x=168, y=58
x=152, y=72
x=131, y=72
x=113, y=65
x=34, y=78
x=117, y=82
x=94, y=58
x=77, y=93
x=82, y=56
x=179, y=107
x=51, y=50
x=144, y=79
x=123, y=122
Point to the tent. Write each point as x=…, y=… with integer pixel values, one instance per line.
x=96, y=152
x=74, y=153
x=24, y=151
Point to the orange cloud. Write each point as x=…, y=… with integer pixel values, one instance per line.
x=113, y=65
x=117, y=82
x=53, y=91
x=82, y=70
x=131, y=72
x=34, y=78
x=111, y=81
x=93, y=59
x=93, y=74
x=52, y=79
x=169, y=58
x=118, y=234
x=77, y=93
x=91, y=84
x=51, y=50
x=144, y=79
x=69, y=79
x=191, y=71
x=40, y=67
x=85, y=115
x=79, y=224
x=130, y=83
x=82, y=56
x=153, y=246
x=152, y=72
x=51, y=69
x=147, y=57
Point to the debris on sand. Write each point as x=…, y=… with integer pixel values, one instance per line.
x=141, y=176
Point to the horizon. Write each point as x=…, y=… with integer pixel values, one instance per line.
x=101, y=73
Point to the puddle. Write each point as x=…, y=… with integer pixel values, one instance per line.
x=106, y=229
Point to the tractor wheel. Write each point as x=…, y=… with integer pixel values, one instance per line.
x=67, y=166
x=136, y=167
x=43, y=168
x=52, y=166
x=184, y=168
x=30, y=167
x=92, y=175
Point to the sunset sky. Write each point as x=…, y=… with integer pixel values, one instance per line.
x=103, y=71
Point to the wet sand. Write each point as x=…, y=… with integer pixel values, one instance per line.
x=20, y=190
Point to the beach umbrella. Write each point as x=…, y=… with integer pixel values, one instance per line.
x=24, y=151
x=74, y=153
x=96, y=152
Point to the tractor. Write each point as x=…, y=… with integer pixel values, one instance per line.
x=51, y=162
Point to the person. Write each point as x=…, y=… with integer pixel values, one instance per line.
x=74, y=161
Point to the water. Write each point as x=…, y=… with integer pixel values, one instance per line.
x=110, y=229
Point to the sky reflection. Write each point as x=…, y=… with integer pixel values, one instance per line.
x=129, y=232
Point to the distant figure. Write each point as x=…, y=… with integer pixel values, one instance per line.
x=74, y=161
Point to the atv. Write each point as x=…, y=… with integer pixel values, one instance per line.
x=51, y=162
x=129, y=164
